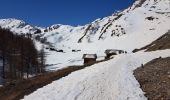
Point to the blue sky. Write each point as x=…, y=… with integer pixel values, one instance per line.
x=71, y=12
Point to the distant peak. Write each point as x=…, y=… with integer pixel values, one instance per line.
x=12, y=19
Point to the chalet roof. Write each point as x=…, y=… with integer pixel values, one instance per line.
x=90, y=56
x=108, y=51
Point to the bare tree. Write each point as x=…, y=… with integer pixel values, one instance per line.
x=42, y=59
x=19, y=55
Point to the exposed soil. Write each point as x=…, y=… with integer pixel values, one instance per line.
x=160, y=44
x=18, y=89
x=154, y=78
x=140, y=3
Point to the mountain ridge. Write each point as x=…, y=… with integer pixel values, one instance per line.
x=134, y=27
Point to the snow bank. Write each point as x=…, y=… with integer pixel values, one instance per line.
x=110, y=80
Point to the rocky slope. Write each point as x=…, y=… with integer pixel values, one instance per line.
x=157, y=87
x=161, y=43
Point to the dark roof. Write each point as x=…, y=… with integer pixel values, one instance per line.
x=109, y=51
x=90, y=56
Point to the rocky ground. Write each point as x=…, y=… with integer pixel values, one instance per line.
x=154, y=78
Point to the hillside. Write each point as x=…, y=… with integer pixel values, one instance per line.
x=161, y=43
x=157, y=87
x=19, y=26
x=145, y=25
x=121, y=31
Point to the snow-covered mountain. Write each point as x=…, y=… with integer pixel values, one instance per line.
x=148, y=22
x=145, y=25
x=19, y=26
x=135, y=27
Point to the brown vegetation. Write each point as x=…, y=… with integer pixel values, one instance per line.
x=160, y=44
x=154, y=78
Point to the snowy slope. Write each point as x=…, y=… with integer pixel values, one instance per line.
x=126, y=30
x=121, y=28
x=135, y=27
x=111, y=80
x=18, y=26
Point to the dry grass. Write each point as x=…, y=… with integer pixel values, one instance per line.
x=154, y=78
